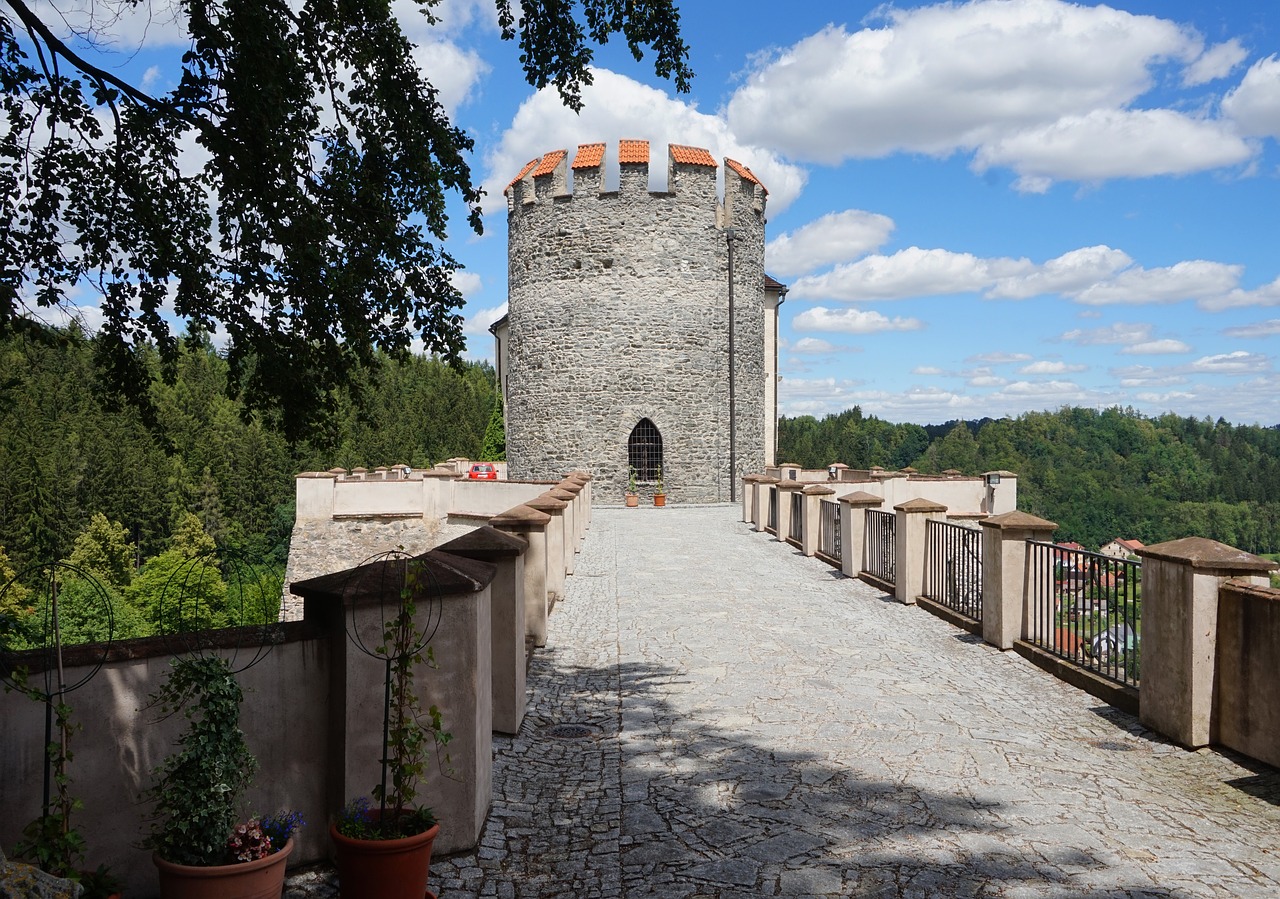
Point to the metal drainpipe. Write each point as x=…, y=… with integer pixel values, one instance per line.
x=731, y=235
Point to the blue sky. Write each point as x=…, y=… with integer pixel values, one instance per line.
x=981, y=208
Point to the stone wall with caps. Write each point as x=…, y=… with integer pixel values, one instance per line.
x=618, y=311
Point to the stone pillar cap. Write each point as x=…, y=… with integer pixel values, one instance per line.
x=792, y=485
x=862, y=498
x=768, y=479
x=547, y=503
x=920, y=504
x=819, y=490
x=486, y=543
x=521, y=518
x=1203, y=553
x=1018, y=519
x=560, y=493
x=581, y=475
x=447, y=575
x=569, y=486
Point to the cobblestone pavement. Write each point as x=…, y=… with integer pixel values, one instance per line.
x=759, y=725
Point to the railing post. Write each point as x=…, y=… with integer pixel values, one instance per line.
x=813, y=495
x=532, y=526
x=749, y=483
x=785, y=489
x=574, y=488
x=853, y=529
x=909, y=546
x=760, y=512
x=555, y=544
x=584, y=478
x=1006, y=576
x=1180, y=582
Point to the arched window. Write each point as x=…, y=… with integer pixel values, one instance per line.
x=644, y=450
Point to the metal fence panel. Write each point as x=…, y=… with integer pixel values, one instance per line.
x=830, y=539
x=953, y=567
x=882, y=545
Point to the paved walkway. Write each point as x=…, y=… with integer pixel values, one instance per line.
x=761, y=726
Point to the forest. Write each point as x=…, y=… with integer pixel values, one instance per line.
x=1098, y=474
x=89, y=483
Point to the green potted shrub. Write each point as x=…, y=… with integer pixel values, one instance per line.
x=200, y=847
x=384, y=852
x=659, y=493
x=633, y=498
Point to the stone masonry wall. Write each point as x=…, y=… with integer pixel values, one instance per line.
x=618, y=311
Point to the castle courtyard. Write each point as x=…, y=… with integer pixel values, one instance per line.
x=715, y=715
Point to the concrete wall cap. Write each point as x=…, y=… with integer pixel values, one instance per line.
x=862, y=498
x=1206, y=554
x=547, y=503
x=1002, y=473
x=570, y=487
x=1018, y=519
x=919, y=504
x=819, y=490
x=337, y=471
x=563, y=494
x=448, y=575
x=581, y=475
x=1266, y=594
x=767, y=479
x=792, y=485
x=317, y=474
x=521, y=518
x=486, y=543
x=433, y=473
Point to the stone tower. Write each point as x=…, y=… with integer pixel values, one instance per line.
x=614, y=353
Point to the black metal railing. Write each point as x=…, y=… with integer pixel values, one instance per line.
x=1086, y=608
x=772, y=524
x=829, y=536
x=795, y=528
x=953, y=567
x=882, y=545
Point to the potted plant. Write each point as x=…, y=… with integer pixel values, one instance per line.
x=633, y=498
x=385, y=852
x=198, y=847
x=659, y=494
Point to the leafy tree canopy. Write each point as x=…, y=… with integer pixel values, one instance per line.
x=312, y=233
x=104, y=551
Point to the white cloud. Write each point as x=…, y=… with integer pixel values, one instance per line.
x=1218, y=61
x=1269, y=328
x=617, y=107
x=466, y=282
x=1156, y=348
x=999, y=358
x=928, y=370
x=452, y=71
x=987, y=380
x=1196, y=279
x=1042, y=86
x=912, y=272
x=1255, y=105
x=1113, y=143
x=1118, y=333
x=1045, y=367
x=1146, y=376
x=1074, y=270
x=1060, y=392
x=835, y=237
x=814, y=346
x=1266, y=295
x=1235, y=363
x=851, y=321
x=478, y=322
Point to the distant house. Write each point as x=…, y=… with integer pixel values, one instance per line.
x=1118, y=639
x=1120, y=548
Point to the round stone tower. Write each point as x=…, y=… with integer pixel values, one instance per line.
x=615, y=352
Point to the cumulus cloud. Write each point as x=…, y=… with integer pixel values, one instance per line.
x=1113, y=143
x=617, y=107
x=835, y=237
x=1235, y=363
x=1072, y=271
x=927, y=370
x=851, y=321
x=454, y=72
x=999, y=358
x=1117, y=333
x=1164, y=347
x=1196, y=279
x=1045, y=367
x=1254, y=105
x=1269, y=328
x=815, y=346
x=1266, y=295
x=1043, y=86
x=912, y=272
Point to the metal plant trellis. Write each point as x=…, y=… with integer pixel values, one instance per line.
x=47, y=652
x=396, y=585
x=189, y=620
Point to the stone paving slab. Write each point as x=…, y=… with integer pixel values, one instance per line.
x=762, y=726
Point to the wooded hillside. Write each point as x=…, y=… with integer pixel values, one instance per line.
x=1099, y=475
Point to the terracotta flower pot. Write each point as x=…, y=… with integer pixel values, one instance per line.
x=261, y=879
x=383, y=869
x=659, y=499
x=633, y=500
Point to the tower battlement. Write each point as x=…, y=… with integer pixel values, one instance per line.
x=691, y=177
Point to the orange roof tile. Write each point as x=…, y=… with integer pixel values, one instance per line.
x=692, y=155
x=524, y=171
x=633, y=151
x=549, y=163
x=745, y=172
x=589, y=156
